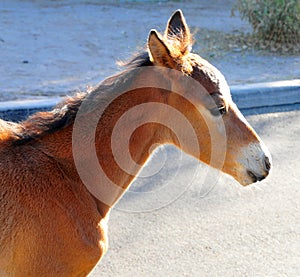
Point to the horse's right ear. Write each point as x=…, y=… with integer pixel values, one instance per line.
x=178, y=29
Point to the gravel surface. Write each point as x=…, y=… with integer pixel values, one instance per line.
x=50, y=48
x=222, y=230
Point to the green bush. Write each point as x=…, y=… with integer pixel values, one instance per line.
x=276, y=23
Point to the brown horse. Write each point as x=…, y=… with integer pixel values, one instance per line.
x=52, y=223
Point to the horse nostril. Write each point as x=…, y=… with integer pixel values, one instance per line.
x=252, y=176
x=267, y=163
x=255, y=177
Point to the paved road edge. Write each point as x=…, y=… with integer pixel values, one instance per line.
x=249, y=96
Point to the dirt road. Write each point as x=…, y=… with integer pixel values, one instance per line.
x=50, y=48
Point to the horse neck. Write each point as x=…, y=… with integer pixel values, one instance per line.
x=120, y=158
x=126, y=135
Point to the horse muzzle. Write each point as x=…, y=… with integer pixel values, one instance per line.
x=256, y=163
x=266, y=166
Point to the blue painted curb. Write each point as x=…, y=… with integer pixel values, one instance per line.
x=266, y=94
x=253, y=97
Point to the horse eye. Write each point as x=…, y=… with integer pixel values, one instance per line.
x=222, y=110
x=218, y=111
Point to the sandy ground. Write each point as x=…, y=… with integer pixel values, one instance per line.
x=57, y=47
x=222, y=230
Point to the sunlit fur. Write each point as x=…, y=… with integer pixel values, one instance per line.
x=50, y=224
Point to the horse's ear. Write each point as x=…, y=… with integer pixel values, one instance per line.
x=158, y=51
x=178, y=29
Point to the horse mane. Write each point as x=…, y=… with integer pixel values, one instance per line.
x=64, y=114
x=42, y=123
x=138, y=60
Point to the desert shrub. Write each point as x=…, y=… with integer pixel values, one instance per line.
x=276, y=23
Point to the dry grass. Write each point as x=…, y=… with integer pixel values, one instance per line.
x=275, y=23
x=214, y=44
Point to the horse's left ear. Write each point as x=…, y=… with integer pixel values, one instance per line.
x=158, y=51
x=178, y=29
